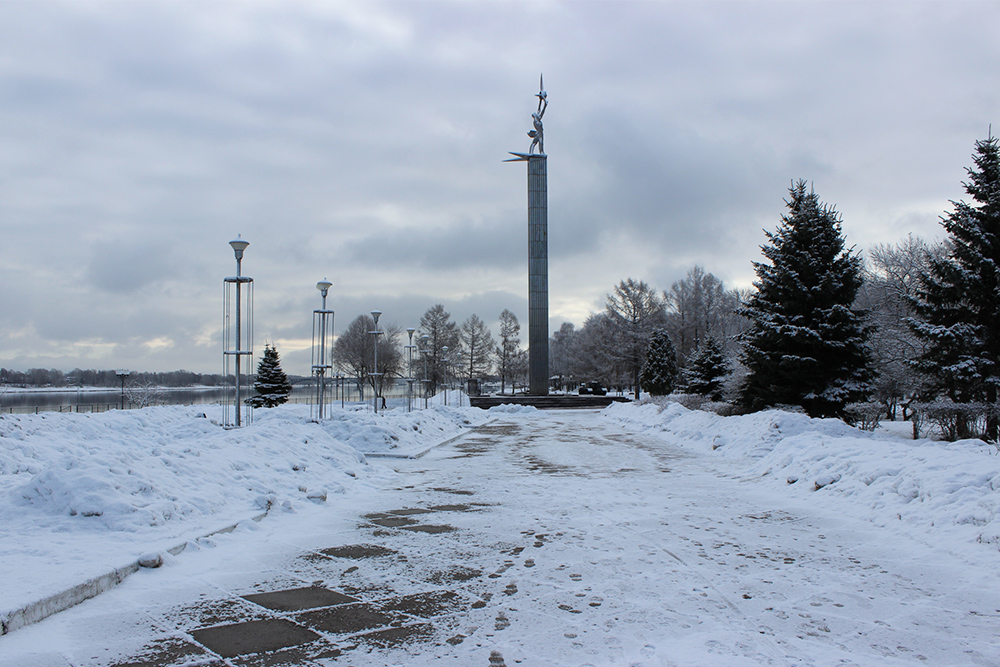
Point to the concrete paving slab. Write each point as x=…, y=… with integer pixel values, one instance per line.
x=171, y=652
x=433, y=530
x=211, y=612
x=393, y=521
x=357, y=551
x=298, y=599
x=452, y=508
x=230, y=641
x=396, y=637
x=348, y=619
x=426, y=605
x=313, y=654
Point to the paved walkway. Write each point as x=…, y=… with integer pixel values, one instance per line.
x=548, y=539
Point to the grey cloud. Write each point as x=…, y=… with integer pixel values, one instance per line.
x=365, y=141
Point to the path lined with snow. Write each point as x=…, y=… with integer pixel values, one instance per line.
x=576, y=542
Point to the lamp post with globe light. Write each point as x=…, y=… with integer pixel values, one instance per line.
x=444, y=379
x=322, y=346
x=375, y=382
x=409, y=371
x=242, y=332
x=425, y=338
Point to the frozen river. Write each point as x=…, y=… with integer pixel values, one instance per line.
x=553, y=538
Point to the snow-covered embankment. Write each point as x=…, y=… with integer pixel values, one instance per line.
x=82, y=495
x=944, y=492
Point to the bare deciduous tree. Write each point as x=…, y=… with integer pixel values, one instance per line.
x=141, y=393
x=634, y=311
x=354, y=353
x=700, y=307
x=510, y=345
x=891, y=277
x=477, y=342
x=441, y=332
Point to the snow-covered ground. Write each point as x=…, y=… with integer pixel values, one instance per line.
x=82, y=494
x=945, y=492
x=638, y=528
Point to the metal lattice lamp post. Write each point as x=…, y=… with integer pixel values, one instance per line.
x=322, y=347
x=424, y=339
x=444, y=380
x=375, y=382
x=409, y=372
x=238, y=334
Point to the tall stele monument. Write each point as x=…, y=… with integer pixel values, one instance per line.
x=538, y=251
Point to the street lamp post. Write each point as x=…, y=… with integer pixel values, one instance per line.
x=122, y=374
x=425, y=338
x=375, y=383
x=444, y=354
x=239, y=246
x=322, y=339
x=409, y=371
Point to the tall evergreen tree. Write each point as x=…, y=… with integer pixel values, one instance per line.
x=271, y=384
x=805, y=345
x=707, y=370
x=659, y=372
x=958, y=299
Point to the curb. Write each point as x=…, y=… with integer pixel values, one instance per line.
x=53, y=604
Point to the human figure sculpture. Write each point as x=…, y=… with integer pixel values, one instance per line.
x=537, y=134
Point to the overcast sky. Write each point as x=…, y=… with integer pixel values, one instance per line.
x=364, y=143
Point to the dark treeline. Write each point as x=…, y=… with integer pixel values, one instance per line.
x=51, y=377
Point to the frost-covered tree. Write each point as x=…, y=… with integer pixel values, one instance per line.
x=659, y=371
x=595, y=352
x=477, y=343
x=634, y=310
x=958, y=300
x=805, y=345
x=441, y=332
x=700, y=307
x=707, y=370
x=271, y=383
x=891, y=277
x=509, y=347
x=354, y=354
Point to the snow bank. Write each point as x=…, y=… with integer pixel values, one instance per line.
x=81, y=493
x=947, y=491
x=513, y=409
x=398, y=431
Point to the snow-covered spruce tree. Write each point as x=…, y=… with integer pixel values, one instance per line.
x=958, y=299
x=805, y=345
x=271, y=384
x=659, y=372
x=707, y=370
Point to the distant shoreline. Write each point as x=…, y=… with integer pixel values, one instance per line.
x=74, y=390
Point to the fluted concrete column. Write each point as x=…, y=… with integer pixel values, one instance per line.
x=538, y=275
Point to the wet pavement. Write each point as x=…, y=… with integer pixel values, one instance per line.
x=550, y=539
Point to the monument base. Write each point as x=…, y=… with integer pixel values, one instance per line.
x=551, y=402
